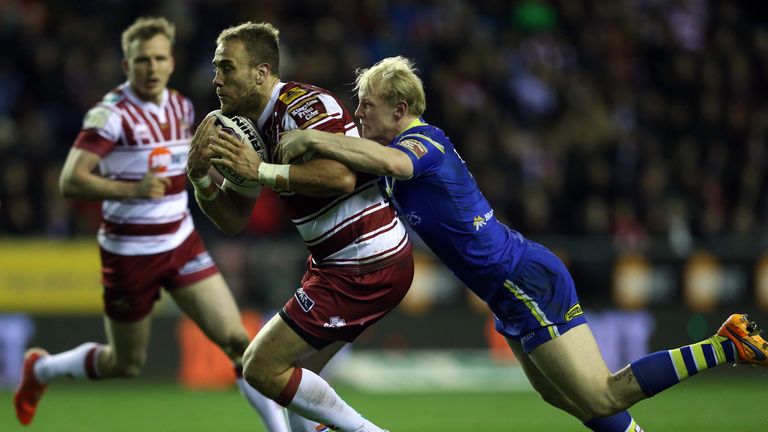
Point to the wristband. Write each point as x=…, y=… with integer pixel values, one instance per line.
x=250, y=191
x=272, y=174
x=211, y=197
x=200, y=183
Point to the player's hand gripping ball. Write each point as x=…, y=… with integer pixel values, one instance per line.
x=243, y=129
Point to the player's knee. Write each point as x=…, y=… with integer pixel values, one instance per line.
x=556, y=399
x=601, y=406
x=130, y=367
x=110, y=366
x=126, y=369
x=234, y=346
x=254, y=370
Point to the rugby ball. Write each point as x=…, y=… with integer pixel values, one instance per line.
x=243, y=129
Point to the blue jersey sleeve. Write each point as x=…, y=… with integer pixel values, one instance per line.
x=426, y=154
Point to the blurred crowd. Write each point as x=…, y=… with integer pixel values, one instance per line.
x=629, y=118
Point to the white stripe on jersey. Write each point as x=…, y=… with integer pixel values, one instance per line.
x=341, y=225
x=329, y=117
x=351, y=256
x=169, y=208
x=131, y=162
x=300, y=100
x=171, y=119
x=145, y=245
x=139, y=129
x=363, y=194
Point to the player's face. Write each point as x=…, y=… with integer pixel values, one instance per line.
x=149, y=66
x=376, y=118
x=235, y=80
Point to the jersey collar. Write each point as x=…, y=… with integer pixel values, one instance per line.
x=418, y=121
x=270, y=107
x=156, y=109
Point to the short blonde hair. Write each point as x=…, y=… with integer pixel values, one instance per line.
x=394, y=79
x=146, y=28
x=261, y=40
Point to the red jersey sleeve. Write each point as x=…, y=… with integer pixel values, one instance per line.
x=93, y=142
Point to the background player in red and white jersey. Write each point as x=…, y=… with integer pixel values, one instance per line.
x=360, y=264
x=138, y=139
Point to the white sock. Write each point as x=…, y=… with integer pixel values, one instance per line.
x=315, y=399
x=300, y=424
x=69, y=363
x=271, y=413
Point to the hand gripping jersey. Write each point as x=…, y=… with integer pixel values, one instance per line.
x=357, y=232
x=133, y=136
x=447, y=210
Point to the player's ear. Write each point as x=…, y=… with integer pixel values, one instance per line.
x=262, y=72
x=401, y=109
x=124, y=63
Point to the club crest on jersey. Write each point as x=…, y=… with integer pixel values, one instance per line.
x=414, y=146
x=141, y=132
x=303, y=299
x=335, y=322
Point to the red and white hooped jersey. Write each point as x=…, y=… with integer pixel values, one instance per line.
x=133, y=136
x=357, y=232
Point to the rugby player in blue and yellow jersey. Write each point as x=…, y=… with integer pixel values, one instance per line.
x=528, y=289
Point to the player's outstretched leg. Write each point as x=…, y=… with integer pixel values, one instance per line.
x=737, y=340
x=751, y=348
x=30, y=390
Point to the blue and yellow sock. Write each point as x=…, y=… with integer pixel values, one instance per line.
x=619, y=422
x=659, y=371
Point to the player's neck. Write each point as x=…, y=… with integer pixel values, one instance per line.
x=265, y=94
x=153, y=99
x=408, y=122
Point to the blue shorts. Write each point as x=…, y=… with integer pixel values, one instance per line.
x=538, y=301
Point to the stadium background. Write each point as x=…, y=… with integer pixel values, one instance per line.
x=630, y=136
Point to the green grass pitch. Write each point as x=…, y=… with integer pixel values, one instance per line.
x=706, y=403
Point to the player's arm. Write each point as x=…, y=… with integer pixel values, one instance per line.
x=359, y=154
x=79, y=180
x=229, y=210
x=317, y=177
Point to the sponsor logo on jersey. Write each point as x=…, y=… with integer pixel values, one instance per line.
x=96, y=118
x=481, y=220
x=414, y=146
x=112, y=98
x=527, y=337
x=160, y=159
x=303, y=299
x=307, y=111
x=196, y=264
x=573, y=312
x=335, y=322
x=291, y=95
x=413, y=218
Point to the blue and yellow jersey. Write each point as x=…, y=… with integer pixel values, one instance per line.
x=447, y=210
